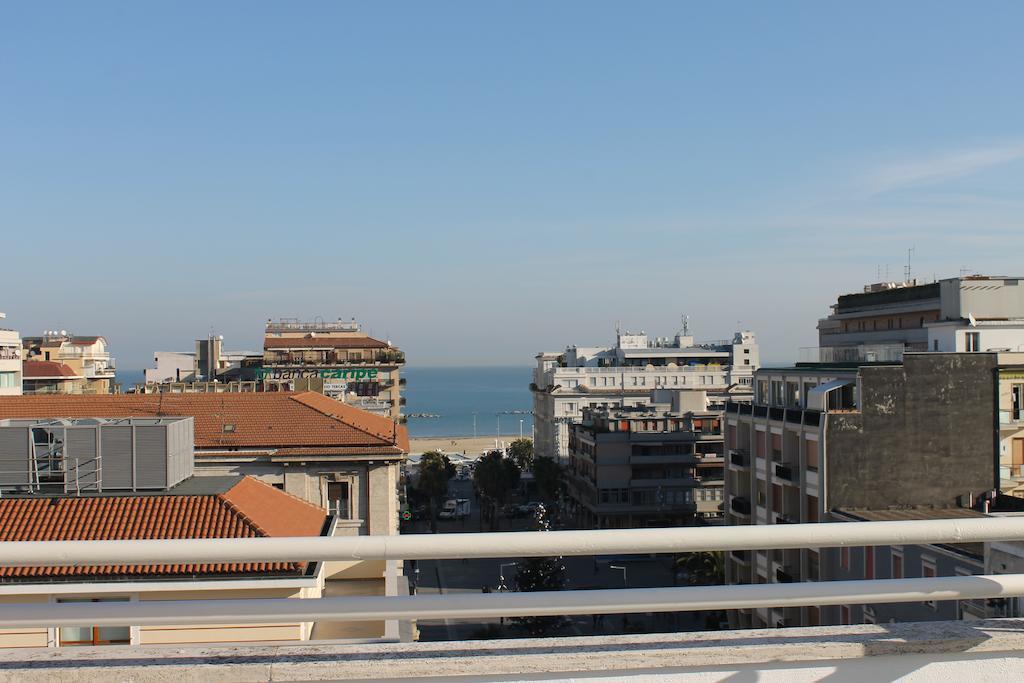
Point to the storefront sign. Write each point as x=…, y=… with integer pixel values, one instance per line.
x=357, y=374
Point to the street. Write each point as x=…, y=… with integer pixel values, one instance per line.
x=476, y=575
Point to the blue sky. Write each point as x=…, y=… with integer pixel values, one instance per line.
x=481, y=181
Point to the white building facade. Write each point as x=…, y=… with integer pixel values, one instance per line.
x=625, y=374
x=10, y=362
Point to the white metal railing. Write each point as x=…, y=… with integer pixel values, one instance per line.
x=517, y=544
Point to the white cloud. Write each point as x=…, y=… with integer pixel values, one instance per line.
x=945, y=166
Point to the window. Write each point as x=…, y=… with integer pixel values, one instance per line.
x=897, y=564
x=94, y=635
x=869, y=562
x=8, y=380
x=1017, y=395
x=811, y=450
x=973, y=341
x=812, y=508
x=338, y=502
x=928, y=572
x=793, y=394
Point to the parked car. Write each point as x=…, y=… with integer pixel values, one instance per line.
x=448, y=509
x=455, y=508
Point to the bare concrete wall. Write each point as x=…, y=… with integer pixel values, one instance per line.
x=926, y=433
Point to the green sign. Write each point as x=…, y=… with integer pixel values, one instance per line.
x=354, y=374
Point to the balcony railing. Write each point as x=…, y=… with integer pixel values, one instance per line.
x=522, y=544
x=784, y=472
x=861, y=353
x=740, y=505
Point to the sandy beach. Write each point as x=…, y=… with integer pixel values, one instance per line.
x=458, y=444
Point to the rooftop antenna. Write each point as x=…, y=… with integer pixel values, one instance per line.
x=907, y=270
x=686, y=326
x=964, y=270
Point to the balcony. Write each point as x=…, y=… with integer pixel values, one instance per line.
x=784, y=472
x=739, y=458
x=740, y=505
x=860, y=353
x=961, y=650
x=784, y=575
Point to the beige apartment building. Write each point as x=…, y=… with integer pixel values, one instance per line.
x=10, y=361
x=337, y=359
x=84, y=358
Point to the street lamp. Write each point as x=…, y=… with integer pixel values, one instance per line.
x=520, y=429
x=624, y=585
x=621, y=569
x=501, y=575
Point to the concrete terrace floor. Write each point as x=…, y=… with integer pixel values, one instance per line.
x=975, y=650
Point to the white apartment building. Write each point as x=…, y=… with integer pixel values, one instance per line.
x=624, y=375
x=10, y=362
x=961, y=314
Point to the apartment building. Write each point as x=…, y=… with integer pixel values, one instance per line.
x=1011, y=423
x=623, y=375
x=659, y=464
x=972, y=313
x=198, y=508
x=208, y=363
x=819, y=438
x=332, y=455
x=334, y=358
x=10, y=361
x=86, y=357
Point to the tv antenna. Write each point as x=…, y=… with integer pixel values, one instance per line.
x=907, y=270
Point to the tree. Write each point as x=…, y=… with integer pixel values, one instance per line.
x=548, y=475
x=521, y=451
x=703, y=568
x=435, y=471
x=540, y=574
x=495, y=477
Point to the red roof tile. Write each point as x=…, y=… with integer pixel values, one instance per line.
x=319, y=342
x=36, y=369
x=249, y=509
x=257, y=420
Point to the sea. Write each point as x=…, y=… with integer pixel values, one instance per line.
x=497, y=398
x=467, y=401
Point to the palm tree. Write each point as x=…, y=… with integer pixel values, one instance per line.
x=703, y=568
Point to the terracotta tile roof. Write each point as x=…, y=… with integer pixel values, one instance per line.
x=258, y=420
x=324, y=342
x=249, y=509
x=34, y=369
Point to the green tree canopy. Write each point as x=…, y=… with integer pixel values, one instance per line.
x=540, y=574
x=703, y=568
x=495, y=477
x=549, y=476
x=435, y=471
x=521, y=451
